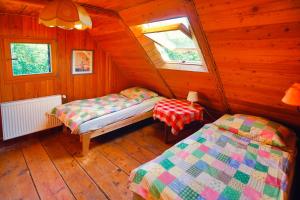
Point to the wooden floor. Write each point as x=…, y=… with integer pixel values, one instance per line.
x=45, y=165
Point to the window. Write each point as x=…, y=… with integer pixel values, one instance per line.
x=30, y=58
x=175, y=42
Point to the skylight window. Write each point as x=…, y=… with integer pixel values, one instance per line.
x=174, y=41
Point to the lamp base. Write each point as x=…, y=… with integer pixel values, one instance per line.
x=191, y=105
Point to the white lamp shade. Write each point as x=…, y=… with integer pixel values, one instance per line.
x=192, y=96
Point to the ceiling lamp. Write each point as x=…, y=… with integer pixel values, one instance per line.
x=65, y=14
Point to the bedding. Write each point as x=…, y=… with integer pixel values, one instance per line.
x=214, y=164
x=75, y=113
x=256, y=128
x=125, y=113
x=138, y=94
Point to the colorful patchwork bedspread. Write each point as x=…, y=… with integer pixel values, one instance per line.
x=214, y=164
x=77, y=112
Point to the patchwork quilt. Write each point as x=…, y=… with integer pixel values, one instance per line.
x=214, y=164
x=77, y=112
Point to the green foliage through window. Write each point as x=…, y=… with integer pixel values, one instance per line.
x=175, y=45
x=190, y=56
x=30, y=58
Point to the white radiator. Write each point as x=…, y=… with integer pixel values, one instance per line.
x=28, y=116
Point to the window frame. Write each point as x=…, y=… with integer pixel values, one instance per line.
x=8, y=70
x=176, y=27
x=173, y=27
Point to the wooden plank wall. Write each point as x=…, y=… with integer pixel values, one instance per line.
x=180, y=82
x=256, y=46
x=106, y=77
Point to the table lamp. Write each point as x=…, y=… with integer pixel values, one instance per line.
x=192, y=97
x=292, y=96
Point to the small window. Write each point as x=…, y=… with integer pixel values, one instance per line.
x=175, y=41
x=30, y=58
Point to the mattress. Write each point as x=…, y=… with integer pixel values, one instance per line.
x=105, y=120
x=216, y=164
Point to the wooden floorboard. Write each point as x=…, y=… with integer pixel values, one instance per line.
x=149, y=138
x=108, y=176
x=46, y=165
x=48, y=181
x=15, y=179
x=133, y=149
x=82, y=186
x=118, y=156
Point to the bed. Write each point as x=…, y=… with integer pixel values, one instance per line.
x=236, y=157
x=90, y=118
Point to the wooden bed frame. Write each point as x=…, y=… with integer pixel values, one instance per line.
x=85, y=138
x=291, y=177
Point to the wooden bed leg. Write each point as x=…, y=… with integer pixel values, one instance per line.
x=85, y=139
x=65, y=130
x=166, y=134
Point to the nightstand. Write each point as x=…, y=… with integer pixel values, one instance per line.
x=176, y=114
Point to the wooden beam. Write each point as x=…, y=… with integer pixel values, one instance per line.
x=208, y=56
x=92, y=10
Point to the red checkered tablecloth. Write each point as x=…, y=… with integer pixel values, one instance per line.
x=177, y=113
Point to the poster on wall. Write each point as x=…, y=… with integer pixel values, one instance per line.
x=82, y=61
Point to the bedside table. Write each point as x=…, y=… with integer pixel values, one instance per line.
x=176, y=114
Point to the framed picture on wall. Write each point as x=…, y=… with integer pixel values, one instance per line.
x=82, y=61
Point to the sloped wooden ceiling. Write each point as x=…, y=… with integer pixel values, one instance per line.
x=208, y=85
x=256, y=46
x=32, y=7
x=116, y=39
x=115, y=36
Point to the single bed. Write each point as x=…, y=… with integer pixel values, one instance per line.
x=220, y=163
x=101, y=122
x=93, y=117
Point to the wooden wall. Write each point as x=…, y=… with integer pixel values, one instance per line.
x=252, y=49
x=106, y=77
x=256, y=46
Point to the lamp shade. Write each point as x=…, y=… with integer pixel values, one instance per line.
x=292, y=95
x=65, y=14
x=192, y=96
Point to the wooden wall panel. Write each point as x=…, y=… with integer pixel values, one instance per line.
x=193, y=81
x=106, y=77
x=256, y=46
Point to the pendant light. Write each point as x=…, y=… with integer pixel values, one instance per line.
x=65, y=14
